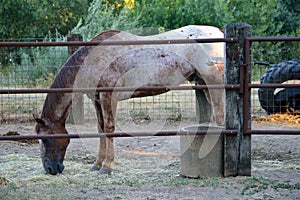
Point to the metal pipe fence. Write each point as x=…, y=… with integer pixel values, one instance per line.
x=31, y=98
x=248, y=85
x=245, y=85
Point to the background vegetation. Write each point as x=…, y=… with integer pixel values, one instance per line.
x=271, y=17
x=36, y=18
x=47, y=19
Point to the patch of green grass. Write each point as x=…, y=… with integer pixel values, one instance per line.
x=288, y=186
x=150, y=198
x=211, y=182
x=255, y=185
x=113, y=198
x=199, y=182
x=84, y=191
x=127, y=182
x=178, y=181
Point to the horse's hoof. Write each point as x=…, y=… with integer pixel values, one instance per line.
x=95, y=168
x=104, y=171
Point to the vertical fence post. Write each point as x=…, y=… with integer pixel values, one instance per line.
x=77, y=110
x=237, y=148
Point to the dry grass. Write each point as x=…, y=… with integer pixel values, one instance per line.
x=22, y=177
x=289, y=119
x=20, y=170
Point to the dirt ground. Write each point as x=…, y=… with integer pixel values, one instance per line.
x=146, y=168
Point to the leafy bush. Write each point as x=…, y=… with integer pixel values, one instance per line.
x=101, y=16
x=33, y=66
x=34, y=18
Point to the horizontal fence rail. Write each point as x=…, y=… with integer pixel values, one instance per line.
x=116, y=43
x=117, y=89
x=272, y=39
x=144, y=134
x=273, y=85
x=273, y=132
x=120, y=134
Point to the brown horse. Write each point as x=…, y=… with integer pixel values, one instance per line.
x=127, y=66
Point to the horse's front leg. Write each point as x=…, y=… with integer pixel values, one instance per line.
x=109, y=105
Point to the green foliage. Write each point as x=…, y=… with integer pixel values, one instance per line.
x=260, y=14
x=155, y=15
x=151, y=15
x=60, y=14
x=288, y=15
x=171, y=14
x=35, y=18
x=269, y=23
x=101, y=16
x=33, y=66
x=16, y=17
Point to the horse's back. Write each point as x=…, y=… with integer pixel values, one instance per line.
x=100, y=58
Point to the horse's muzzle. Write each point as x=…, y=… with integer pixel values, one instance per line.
x=54, y=167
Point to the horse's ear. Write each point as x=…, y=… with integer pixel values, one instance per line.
x=39, y=120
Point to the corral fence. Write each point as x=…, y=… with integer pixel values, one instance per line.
x=239, y=89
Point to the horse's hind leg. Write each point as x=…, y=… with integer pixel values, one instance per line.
x=102, y=145
x=217, y=97
x=108, y=105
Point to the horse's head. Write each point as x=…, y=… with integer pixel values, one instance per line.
x=52, y=150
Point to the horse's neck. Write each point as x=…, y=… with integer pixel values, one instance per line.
x=57, y=105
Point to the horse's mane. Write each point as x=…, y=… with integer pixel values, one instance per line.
x=64, y=79
x=67, y=74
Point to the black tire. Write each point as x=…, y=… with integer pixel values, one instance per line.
x=279, y=73
x=288, y=100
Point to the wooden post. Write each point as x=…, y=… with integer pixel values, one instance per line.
x=237, y=148
x=76, y=115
